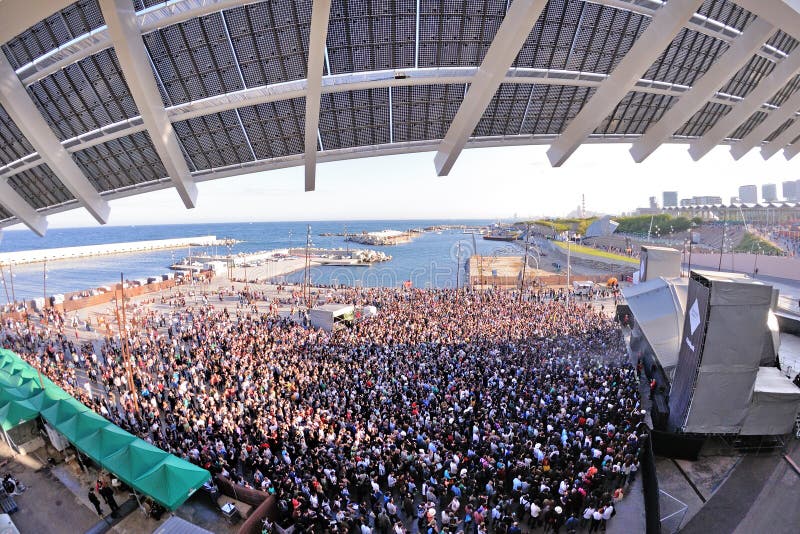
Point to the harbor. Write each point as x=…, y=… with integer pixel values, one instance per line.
x=22, y=257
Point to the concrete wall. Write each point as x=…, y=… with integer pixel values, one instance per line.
x=776, y=266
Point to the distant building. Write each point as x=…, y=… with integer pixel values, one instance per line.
x=769, y=192
x=706, y=200
x=653, y=203
x=735, y=200
x=669, y=199
x=748, y=194
x=790, y=189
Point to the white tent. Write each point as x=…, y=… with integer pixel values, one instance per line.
x=774, y=404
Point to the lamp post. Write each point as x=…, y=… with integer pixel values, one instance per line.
x=691, y=240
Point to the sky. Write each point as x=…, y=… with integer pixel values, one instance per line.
x=485, y=183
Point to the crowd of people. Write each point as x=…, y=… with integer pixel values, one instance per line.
x=448, y=411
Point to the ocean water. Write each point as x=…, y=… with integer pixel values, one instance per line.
x=430, y=260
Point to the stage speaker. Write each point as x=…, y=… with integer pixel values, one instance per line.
x=721, y=347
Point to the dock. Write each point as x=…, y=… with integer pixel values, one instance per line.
x=87, y=251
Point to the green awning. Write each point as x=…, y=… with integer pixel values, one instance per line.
x=24, y=395
x=15, y=413
x=105, y=441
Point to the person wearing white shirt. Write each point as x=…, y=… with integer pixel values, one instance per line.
x=536, y=512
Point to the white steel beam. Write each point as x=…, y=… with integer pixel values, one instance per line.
x=26, y=116
x=666, y=23
x=783, y=139
x=520, y=18
x=739, y=53
x=320, y=14
x=123, y=27
x=17, y=206
x=780, y=76
x=767, y=126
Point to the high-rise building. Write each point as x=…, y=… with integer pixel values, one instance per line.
x=769, y=192
x=748, y=194
x=669, y=199
x=653, y=203
x=790, y=189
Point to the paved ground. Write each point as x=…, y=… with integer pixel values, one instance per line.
x=46, y=506
x=761, y=495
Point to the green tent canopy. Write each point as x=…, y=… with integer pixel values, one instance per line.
x=15, y=413
x=135, y=460
x=25, y=394
x=105, y=441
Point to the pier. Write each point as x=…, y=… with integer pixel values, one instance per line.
x=87, y=251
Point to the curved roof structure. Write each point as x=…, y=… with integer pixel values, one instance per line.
x=101, y=99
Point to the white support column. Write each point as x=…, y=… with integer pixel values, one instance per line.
x=785, y=137
x=123, y=27
x=17, y=206
x=26, y=116
x=320, y=14
x=520, y=18
x=737, y=55
x=666, y=23
x=767, y=126
x=780, y=76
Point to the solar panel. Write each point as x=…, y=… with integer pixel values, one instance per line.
x=752, y=122
x=121, y=162
x=748, y=77
x=635, y=113
x=194, y=59
x=551, y=107
x=13, y=145
x=84, y=96
x=355, y=118
x=57, y=29
x=276, y=128
x=371, y=35
x=270, y=40
x=214, y=140
x=457, y=33
x=504, y=114
x=144, y=4
x=780, y=130
x=703, y=120
x=40, y=187
x=424, y=112
x=726, y=13
x=689, y=56
x=551, y=40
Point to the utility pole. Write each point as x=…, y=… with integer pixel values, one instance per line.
x=525, y=263
x=11, y=277
x=5, y=286
x=722, y=245
x=569, y=255
x=44, y=290
x=458, y=263
x=307, y=274
x=123, y=335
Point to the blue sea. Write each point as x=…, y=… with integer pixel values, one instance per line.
x=430, y=260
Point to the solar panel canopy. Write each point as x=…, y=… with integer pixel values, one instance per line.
x=111, y=98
